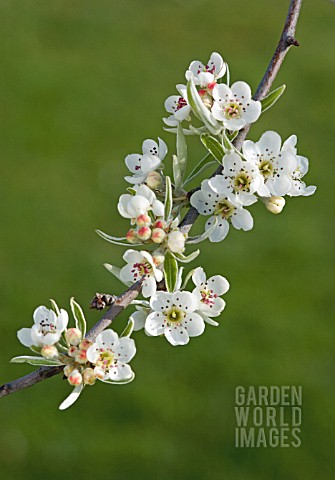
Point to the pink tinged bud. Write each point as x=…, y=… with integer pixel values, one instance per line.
x=89, y=377
x=143, y=220
x=85, y=344
x=275, y=204
x=81, y=356
x=131, y=236
x=73, y=336
x=68, y=370
x=75, y=378
x=154, y=180
x=144, y=233
x=72, y=351
x=158, y=259
x=99, y=372
x=158, y=235
x=49, y=351
x=160, y=224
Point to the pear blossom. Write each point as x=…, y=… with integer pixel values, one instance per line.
x=47, y=329
x=141, y=165
x=178, y=106
x=110, y=355
x=276, y=165
x=174, y=317
x=141, y=264
x=208, y=292
x=205, y=75
x=234, y=106
x=132, y=206
x=176, y=241
x=298, y=186
x=239, y=180
x=223, y=208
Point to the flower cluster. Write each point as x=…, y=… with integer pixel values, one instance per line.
x=266, y=170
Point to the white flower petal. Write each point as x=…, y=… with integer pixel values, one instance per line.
x=194, y=324
x=120, y=371
x=149, y=287
x=154, y=324
x=177, y=335
x=198, y=276
x=218, y=284
x=240, y=90
x=24, y=336
x=242, y=219
x=185, y=301
x=124, y=349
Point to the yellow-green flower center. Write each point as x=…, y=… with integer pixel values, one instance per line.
x=106, y=358
x=232, y=110
x=174, y=315
x=242, y=182
x=266, y=168
x=224, y=208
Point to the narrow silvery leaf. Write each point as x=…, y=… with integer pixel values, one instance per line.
x=78, y=315
x=54, y=306
x=170, y=272
x=186, y=131
x=71, y=398
x=180, y=278
x=271, y=99
x=177, y=176
x=129, y=328
x=213, y=146
x=36, y=361
x=200, y=110
x=205, y=235
x=143, y=303
x=201, y=167
x=186, y=280
x=116, y=240
x=35, y=349
x=231, y=136
x=120, y=382
x=168, y=198
x=227, y=145
x=186, y=258
x=181, y=152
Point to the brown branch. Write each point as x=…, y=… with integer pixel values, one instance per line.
x=287, y=39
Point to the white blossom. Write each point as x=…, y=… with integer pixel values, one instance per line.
x=178, y=106
x=132, y=206
x=209, y=73
x=141, y=165
x=239, y=180
x=234, y=106
x=110, y=355
x=208, y=292
x=298, y=186
x=174, y=316
x=141, y=264
x=47, y=329
x=223, y=208
x=276, y=165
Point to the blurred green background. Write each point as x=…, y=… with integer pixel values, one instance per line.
x=82, y=85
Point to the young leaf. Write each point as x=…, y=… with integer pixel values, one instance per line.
x=187, y=278
x=227, y=145
x=268, y=101
x=72, y=397
x=200, y=110
x=186, y=258
x=35, y=349
x=181, y=152
x=203, y=165
x=170, y=272
x=38, y=361
x=129, y=328
x=54, y=306
x=177, y=176
x=78, y=316
x=168, y=198
x=206, y=234
x=116, y=240
x=213, y=146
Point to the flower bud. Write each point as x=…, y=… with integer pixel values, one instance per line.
x=144, y=233
x=176, y=241
x=275, y=204
x=89, y=377
x=85, y=344
x=143, y=220
x=131, y=236
x=158, y=259
x=154, y=180
x=72, y=351
x=49, y=351
x=99, y=372
x=73, y=336
x=68, y=369
x=75, y=378
x=158, y=235
x=81, y=356
x=160, y=224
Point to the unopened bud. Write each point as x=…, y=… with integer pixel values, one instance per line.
x=143, y=220
x=72, y=351
x=89, y=377
x=99, y=372
x=73, y=336
x=158, y=235
x=154, y=180
x=158, y=259
x=275, y=204
x=176, y=241
x=131, y=236
x=68, y=370
x=49, y=351
x=160, y=224
x=144, y=233
x=81, y=356
x=75, y=378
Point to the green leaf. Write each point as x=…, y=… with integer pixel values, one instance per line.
x=116, y=240
x=38, y=361
x=205, y=235
x=177, y=176
x=129, y=328
x=131, y=190
x=73, y=397
x=168, y=198
x=227, y=145
x=187, y=278
x=213, y=146
x=181, y=152
x=170, y=271
x=268, y=101
x=231, y=136
x=203, y=165
x=78, y=316
x=199, y=109
x=186, y=258
x=54, y=306
x=35, y=349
